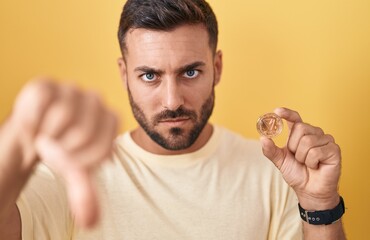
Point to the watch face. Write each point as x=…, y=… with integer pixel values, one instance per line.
x=269, y=125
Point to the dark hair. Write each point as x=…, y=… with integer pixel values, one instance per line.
x=165, y=15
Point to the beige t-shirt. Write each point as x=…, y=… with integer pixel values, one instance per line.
x=226, y=190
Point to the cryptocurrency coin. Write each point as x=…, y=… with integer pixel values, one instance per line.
x=269, y=125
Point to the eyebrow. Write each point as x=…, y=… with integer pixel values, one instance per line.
x=179, y=70
x=147, y=70
x=190, y=66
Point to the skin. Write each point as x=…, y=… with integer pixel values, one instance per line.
x=167, y=55
x=47, y=121
x=69, y=130
x=311, y=164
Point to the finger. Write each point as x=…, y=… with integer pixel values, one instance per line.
x=31, y=105
x=272, y=152
x=328, y=154
x=289, y=115
x=51, y=153
x=298, y=131
x=62, y=113
x=308, y=142
x=29, y=111
x=84, y=131
x=101, y=147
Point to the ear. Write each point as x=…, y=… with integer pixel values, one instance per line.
x=217, y=66
x=122, y=70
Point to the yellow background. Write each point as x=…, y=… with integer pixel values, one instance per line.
x=312, y=56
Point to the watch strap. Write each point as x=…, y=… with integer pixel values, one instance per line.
x=324, y=217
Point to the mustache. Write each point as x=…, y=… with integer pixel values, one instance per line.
x=170, y=114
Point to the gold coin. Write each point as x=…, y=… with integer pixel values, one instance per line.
x=269, y=125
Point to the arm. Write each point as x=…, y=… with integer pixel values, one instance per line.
x=68, y=130
x=11, y=227
x=310, y=163
x=333, y=231
x=12, y=178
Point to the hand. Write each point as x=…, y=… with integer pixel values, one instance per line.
x=71, y=132
x=310, y=162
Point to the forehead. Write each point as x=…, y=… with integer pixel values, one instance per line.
x=184, y=43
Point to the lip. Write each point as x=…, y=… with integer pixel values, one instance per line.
x=175, y=122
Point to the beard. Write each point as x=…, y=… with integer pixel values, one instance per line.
x=178, y=138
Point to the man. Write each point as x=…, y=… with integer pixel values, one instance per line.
x=175, y=176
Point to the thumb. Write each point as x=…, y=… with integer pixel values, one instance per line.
x=80, y=189
x=272, y=152
x=82, y=197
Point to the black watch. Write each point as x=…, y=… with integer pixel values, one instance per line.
x=324, y=217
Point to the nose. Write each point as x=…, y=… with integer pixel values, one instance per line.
x=172, y=95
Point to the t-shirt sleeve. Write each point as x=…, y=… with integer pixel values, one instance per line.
x=43, y=208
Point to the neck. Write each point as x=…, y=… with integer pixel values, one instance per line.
x=144, y=141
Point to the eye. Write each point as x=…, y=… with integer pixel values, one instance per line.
x=148, y=77
x=191, y=73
